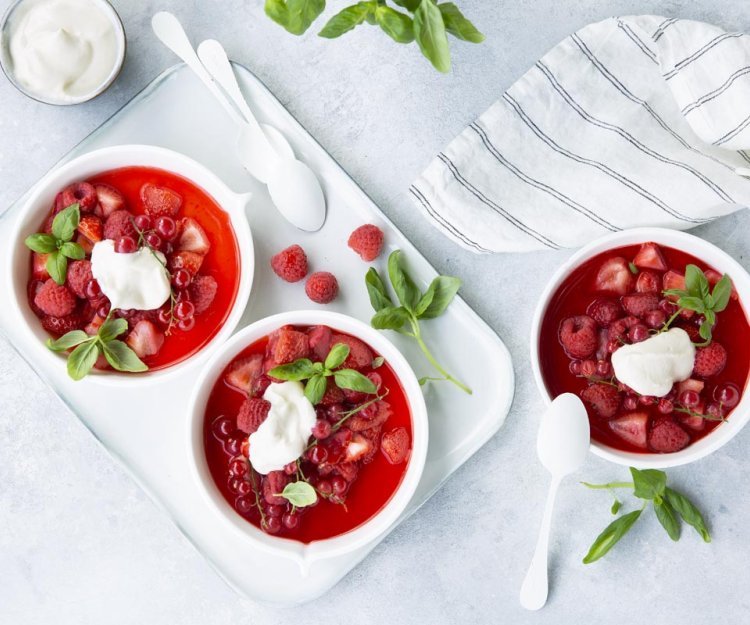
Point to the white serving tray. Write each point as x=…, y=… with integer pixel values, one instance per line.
x=146, y=430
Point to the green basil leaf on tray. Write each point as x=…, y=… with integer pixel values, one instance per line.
x=668, y=519
x=398, y=26
x=41, y=242
x=611, y=536
x=406, y=291
x=429, y=31
x=299, y=494
x=688, y=512
x=298, y=370
x=122, y=358
x=72, y=250
x=648, y=483
x=336, y=356
x=355, y=381
x=347, y=19
x=66, y=341
x=315, y=388
x=457, y=25
x=390, y=318
x=82, y=359
x=57, y=267
x=65, y=223
x=443, y=289
x=295, y=16
x=379, y=297
x=409, y=5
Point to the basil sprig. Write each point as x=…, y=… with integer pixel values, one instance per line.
x=88, y=348
x=414, y=306
x=698, y=296
x=669, y=506
x=317, y=373
x=425, y=21
x=58, y=245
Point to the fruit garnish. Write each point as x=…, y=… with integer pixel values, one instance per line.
x=89, y=348
x=316, y=374
x=414, y=306
x=698, y=297
x=322, y=287
x=367, y=241
x=299, y=494
x=669, y=506
x=58, y=245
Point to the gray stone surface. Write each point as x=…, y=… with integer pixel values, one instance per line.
x=80, y=543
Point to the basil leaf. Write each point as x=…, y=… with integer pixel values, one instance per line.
x=379, y=297
x=66, y=341
x=616, y=505
x=444, y=289
x=294, y=15
x=705, y=331
x=610, y=536
x=299, y=494
x=429, y=31
x=668, y=519
x=693, y=276
x=336, y=356
x=649, y=483
x=377, y=362
x=298, y=370
x=41, y=243
x=689, y=513
x=346, y=20
x=57, y=267
x=721, y=293
x=82, y=359
x=65, y=223
x=112, y=328
x=406, y=291
x=390, y=318
x=409, y=5
x=457, y=25
x=398, y=26
x=692, y=303
x=355, y=381
x=72, y=250
x=315, y=388
x=122, y=358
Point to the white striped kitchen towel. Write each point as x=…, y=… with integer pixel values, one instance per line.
x=628, y=122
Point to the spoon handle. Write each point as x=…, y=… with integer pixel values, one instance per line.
x=535, y=586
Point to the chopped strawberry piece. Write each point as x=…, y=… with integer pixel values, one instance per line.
x=119, y=224
x=110, y=200
x=290, y=264
x=245, y=373
x=357, y=448
x=360, y=356
x=638, y=304
x=367, y=241
x=395, y=445
x=667, y=437
x=185, y=260
x=192, y=237
x=578, y=336
x=604, y=311
x=55, y=300
x=39, y=266
x=273, y=484
x=648, y=282
x=650, y=257
x=615, y=276
x=85, y=244
x=673, y=280
x=81, y=193
x=604, y=398
x=691, y=385
x=91, y=227
x=320, y=341
x=202, y=292
x=79, y=275
x=32, y=288
x=631, y=428
x=145, y=339
x=695, y=422
x=333, y=394
x=94, y=325
x=252, y=413
x=160, y=201
x=714, y=276
x=710, y=360
x=290, y=346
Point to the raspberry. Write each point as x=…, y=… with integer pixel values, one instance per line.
x=320, y=341
x=252, y=413
x=605, y=399
x=81, y=193
x=367, y=241
x=333, y=394
x=360, y=356
x=667, y=437
x=578, y=336
x=290, y=264
x=159, y=201
x=395, y=445
x=55, y=300
x=79, y=274
x=119, y=224
x=710, y=360
x=274, y=483
x=639, y=304
x=202, y=292
x=245, y=373
x=62, y=325
x=322, y=287
x=604, y=311
x=290, y=346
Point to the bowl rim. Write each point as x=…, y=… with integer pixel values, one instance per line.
x=305, y=554
x=706, y=252
x=122, y=42
x=234, y=204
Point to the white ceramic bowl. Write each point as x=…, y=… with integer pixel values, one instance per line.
x=16, y=266
x=227, y=517
x=703, y=250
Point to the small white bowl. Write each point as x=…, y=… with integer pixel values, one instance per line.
x=227, y=517
x=704, y=251
x=16, y=265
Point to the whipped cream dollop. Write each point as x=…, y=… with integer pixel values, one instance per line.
x=137, y=281
x=62, y=50
x=651, y=367
x=283, y=436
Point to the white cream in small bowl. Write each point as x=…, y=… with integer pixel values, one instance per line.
x=61, y=51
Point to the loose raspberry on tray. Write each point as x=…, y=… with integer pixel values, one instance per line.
x=290, y=264
x=367, y=241
x=322, y=287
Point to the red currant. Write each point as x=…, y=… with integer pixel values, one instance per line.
x=245, y=488
x=638, y=333
x=665, y=406
x=271, y=524
x=321, y=429
x=728, y=395
x=290, y=520
x=181, y=278
x=186, y=324
x=222, y=428
x=238, y=467
x=244, y=505
x=164, y=316
x=325, y=488
x=317, y=454
x=104, y=309
x=339, y=485
x=184, y=310
x=154, y=240
x=689, y=398
x=166, y=227
x=575, y=367
x=125, y=245
x=142, y=222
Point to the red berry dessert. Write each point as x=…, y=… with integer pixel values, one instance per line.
x=138, y=264
x=307, y=433
x=641, y=333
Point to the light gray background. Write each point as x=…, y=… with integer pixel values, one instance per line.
x=80, y=543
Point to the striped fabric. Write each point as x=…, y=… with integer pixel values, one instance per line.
x=629, y=122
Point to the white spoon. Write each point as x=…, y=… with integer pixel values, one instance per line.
x=562, y=445
x=292, y=185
